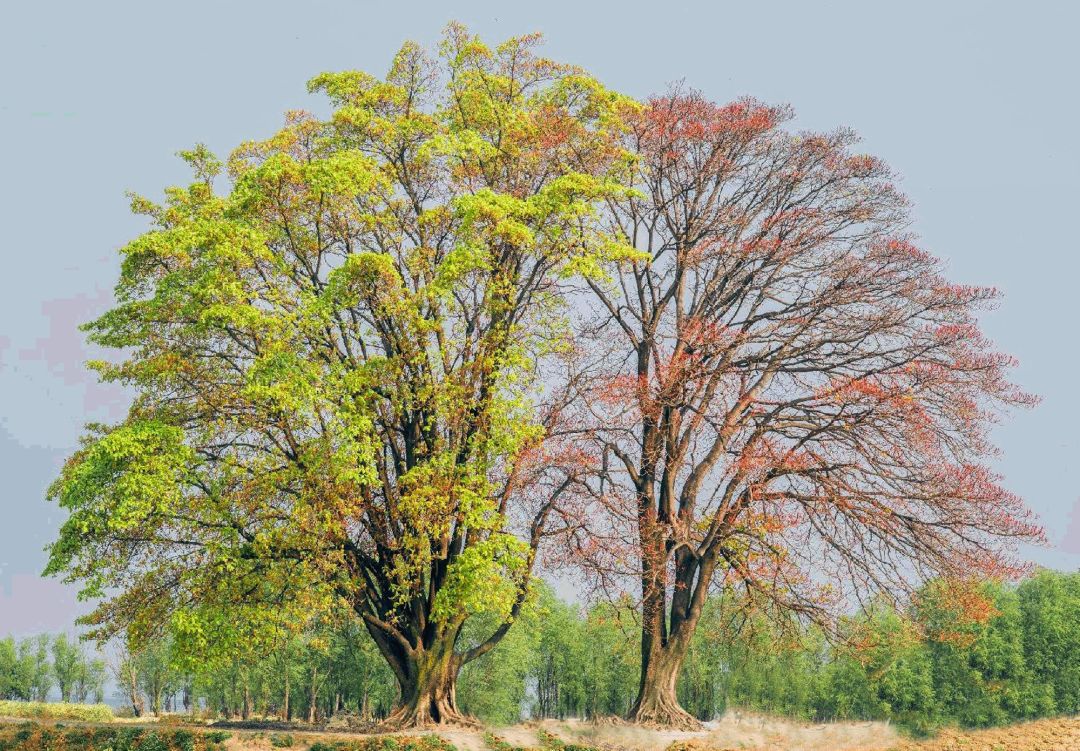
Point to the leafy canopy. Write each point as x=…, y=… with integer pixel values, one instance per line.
x=336, y=360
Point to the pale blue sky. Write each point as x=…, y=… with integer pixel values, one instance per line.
x=975, y=104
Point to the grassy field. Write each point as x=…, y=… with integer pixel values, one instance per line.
x=743, y=732
x=56, y=710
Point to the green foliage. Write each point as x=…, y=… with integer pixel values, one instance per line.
x=918, y=669
x=34, y=737
x=335, y=362
x=27, y=672
x=493, y=687
x=549, y=741
x=1049, y=605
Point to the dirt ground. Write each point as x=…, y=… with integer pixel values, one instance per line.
x=745, y=732
x=1062, y=734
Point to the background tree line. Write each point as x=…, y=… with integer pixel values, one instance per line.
x=916, y=668
x=31, y=668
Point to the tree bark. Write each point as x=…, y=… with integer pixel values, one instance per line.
x=665, y=640
x=137, y=706
x=285, y=712
x=428, y=688
x=313, y=696
x=245, y=711
x=657, y=702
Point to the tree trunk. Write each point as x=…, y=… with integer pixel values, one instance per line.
x=664, y=641
x=429, y=690
x=285, y=702
x=657, y=702
x=137, y=706
x=245, y=710
x=313, y=698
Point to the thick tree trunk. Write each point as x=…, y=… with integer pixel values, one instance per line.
x=657, y=702
x=664, y=640
x=429, y=690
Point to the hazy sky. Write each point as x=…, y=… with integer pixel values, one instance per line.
x=975, y=104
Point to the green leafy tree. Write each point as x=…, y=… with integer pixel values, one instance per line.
x=90, y=680
x=156, y=673
x=557, y=677
x=980, y=673
x=34, y=657
x=612, y=663
x=883, y=672
x=15, y=676
x=493, y=687
x=1050, y=612
x=67, y=662
x=336, y=366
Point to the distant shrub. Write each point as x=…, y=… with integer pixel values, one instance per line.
x=39, y=710
x=281, y=740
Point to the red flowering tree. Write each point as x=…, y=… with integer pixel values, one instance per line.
x=787, y=395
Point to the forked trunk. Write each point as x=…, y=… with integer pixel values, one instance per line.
x=657, y=702
x=664, y=640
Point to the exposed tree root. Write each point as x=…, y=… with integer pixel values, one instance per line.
x=426, y=715
x=664, y=713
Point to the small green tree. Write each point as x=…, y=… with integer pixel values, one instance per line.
x=90, y=680
x=14, y=677
x=155, y=672
x=612, y=663
x=67, y=662
x=493, y=688
x=38, y=672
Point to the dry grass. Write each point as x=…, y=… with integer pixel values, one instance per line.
x=746, y=732
x=56, y=710
x=734, y=731
x=1061, y=734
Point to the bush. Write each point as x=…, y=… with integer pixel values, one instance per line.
x=39, y=710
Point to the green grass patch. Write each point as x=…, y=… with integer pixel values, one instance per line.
x=551, y=742
x=40, y=710
x=31, y=736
